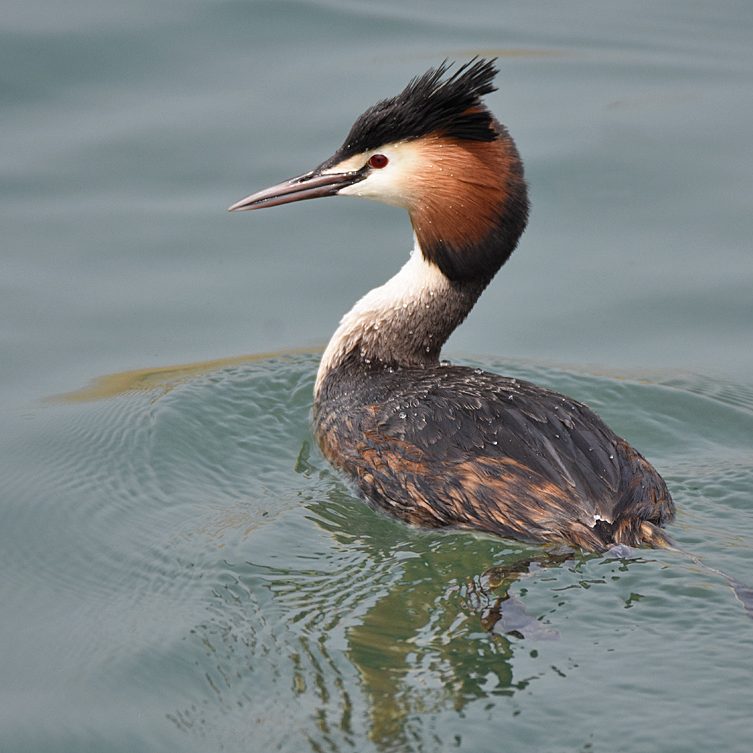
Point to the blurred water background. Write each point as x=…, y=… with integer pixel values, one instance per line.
x=179, y=568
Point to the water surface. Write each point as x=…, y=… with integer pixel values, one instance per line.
x=181, y=570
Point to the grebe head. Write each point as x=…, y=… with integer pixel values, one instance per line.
x=436, y=150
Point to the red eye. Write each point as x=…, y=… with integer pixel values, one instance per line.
x=378, y=161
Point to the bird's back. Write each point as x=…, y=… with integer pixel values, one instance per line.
x=455, y=446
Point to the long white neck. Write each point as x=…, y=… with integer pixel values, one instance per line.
x=404, y=322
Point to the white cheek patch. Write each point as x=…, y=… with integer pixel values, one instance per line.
x=393, y=184
x=380, y=186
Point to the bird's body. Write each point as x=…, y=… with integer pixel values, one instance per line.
x=451, y=446
x=440, y=445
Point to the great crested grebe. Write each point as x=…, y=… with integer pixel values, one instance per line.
x=440, y=445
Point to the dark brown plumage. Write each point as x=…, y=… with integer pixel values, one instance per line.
x=454, y=446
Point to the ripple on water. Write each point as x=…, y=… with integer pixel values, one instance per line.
x=241, y=594
x=134, y=481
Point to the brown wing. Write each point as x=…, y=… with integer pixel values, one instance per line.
x=461, y=447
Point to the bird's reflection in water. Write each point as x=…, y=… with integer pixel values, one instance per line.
x=345, y=626
x=441, y=631
x=499, y=611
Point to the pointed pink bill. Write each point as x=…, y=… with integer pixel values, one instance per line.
x=308, y=186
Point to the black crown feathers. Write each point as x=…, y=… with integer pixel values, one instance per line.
x=429, y=104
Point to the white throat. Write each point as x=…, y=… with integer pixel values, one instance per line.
x=395, y=322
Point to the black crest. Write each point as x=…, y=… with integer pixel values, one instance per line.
x=430, y=104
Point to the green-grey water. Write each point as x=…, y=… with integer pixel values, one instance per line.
x=180, y=570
